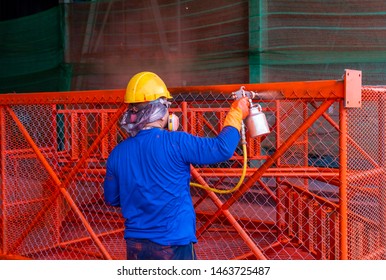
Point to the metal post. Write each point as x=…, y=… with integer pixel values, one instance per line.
x=3, y=219
x=184, y=107
x=382, y=161
x=343, y=181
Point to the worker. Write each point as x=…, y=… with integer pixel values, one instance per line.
x=148, y=174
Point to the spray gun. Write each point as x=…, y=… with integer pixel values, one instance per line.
x=256, y=122
x=257, y=125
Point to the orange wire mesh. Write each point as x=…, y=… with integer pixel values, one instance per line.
x=292, y=204
x=366, y=181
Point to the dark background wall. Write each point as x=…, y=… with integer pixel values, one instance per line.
x=11, y=9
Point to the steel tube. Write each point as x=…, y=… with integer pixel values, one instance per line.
x=3, y=219
x=343, y=182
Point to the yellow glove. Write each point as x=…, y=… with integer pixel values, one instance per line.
x=239, y=110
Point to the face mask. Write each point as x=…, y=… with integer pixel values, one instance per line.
x=173, y=122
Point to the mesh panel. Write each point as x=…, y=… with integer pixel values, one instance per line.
x=53, y=165
x=366, y=164
x=43, y=219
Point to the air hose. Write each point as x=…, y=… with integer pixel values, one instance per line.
x=245, y=161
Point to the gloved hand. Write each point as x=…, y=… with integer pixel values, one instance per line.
x=239, y=110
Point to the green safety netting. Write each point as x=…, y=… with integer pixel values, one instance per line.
x=32, y=54
x=190, y=42
x=220, y=41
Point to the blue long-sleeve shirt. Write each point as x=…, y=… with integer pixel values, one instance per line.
x=148, y=176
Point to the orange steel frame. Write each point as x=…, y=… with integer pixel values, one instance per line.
x=328, y=91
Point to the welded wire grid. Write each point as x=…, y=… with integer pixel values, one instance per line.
x=53, y=164
x=366, y=191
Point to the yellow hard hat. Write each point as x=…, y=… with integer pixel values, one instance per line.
x=145, y=86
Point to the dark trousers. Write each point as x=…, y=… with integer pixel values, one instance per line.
x=143, y=249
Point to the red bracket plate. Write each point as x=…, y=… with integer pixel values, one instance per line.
x=352, y=88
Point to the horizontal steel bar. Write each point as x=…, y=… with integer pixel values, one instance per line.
x=289, y=90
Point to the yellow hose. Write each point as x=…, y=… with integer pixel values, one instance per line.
x=235, y=188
